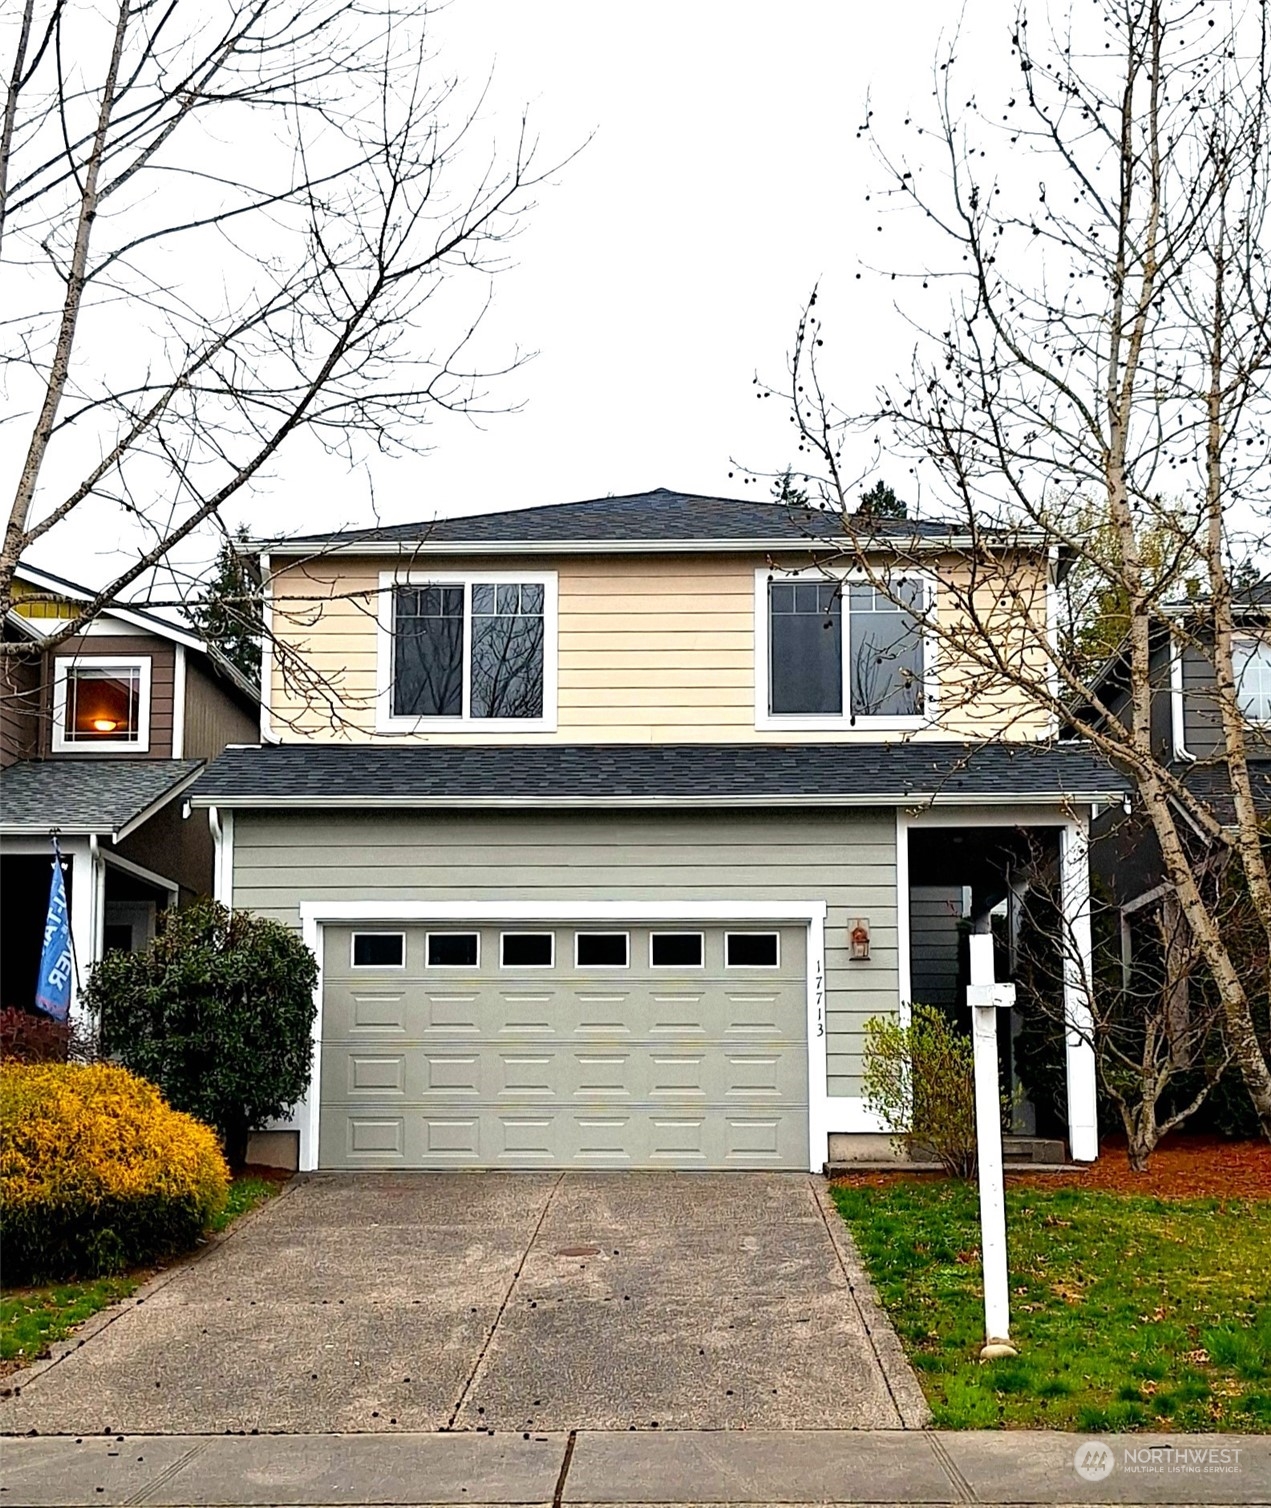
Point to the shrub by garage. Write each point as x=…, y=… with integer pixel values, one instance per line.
x=98, y=1173
x=218, y=1011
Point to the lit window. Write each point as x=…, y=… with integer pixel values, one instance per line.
x=1251, y=661
x=101, y=701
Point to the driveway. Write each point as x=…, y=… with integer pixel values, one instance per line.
x=521, y=1301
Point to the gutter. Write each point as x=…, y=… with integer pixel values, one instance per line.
x=216, y=801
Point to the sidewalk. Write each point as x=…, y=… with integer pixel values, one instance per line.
x=647, y=1467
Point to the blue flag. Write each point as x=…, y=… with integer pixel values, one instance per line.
x=53, y=992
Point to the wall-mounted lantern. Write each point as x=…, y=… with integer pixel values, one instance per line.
x=859, y=939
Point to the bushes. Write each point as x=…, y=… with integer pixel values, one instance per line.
x=33, y=1037
x=97, y=1173
x=218, y=1012
x=920, y=1082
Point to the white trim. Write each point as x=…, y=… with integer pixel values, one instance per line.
x=1177, y=711
x=752, y=932
x=64, y=664
x=824, y=1111
x=677, y=932
x=385, y=719
x=355, y=934
x=138, y=617
x=550, y=964
x=1148, y=898
x=178, y=702
x=266, y=651
x=904, y=957
x=1052, y=642
x=958, y=802
x=606, y=968
x=869, y=724
x=1080, y=1070
x=428, y=937
x=140, y=872
x=833, y=545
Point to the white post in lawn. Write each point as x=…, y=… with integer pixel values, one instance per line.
x=986, y=998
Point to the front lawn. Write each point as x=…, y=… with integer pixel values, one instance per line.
x=32, y=1319
x=1129, y=1312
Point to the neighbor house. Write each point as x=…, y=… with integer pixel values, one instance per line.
x=101, y=736
x=613, y=822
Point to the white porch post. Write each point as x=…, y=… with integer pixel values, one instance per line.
x=986, y=998
x=1074, y=890
x=85, y=905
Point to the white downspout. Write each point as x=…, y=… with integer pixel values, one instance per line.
x=1178, y=726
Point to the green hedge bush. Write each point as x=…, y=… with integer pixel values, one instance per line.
x=98, y=1173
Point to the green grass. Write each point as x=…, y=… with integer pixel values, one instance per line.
x=1130, y=1313
x=32, y=1319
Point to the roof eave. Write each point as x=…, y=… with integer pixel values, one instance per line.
x=225, y=801
x=323, y=549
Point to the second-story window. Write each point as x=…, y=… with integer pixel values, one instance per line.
x=469, y=650
x=101, y=701
x=1251, y=661
x=845, y=649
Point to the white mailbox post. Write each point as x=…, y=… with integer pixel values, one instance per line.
x=986, y=997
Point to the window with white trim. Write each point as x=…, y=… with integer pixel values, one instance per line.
x=469, y=649
x=1251, y=662
x=844, y=649
x=101, y=702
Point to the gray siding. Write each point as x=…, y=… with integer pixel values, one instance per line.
x=846, y=858
x=213, y=717
x=1202, y=721
x=935, y=930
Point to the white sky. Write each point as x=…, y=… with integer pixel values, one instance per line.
x=668, y=262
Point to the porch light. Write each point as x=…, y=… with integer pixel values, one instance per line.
x=859, y=939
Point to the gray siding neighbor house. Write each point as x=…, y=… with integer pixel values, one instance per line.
x=611, y=825
x=102, y=737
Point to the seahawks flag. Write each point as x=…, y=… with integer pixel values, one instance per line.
x=53, y=992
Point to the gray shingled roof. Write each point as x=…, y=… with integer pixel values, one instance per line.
x=660, y=515
x=88, y=795
x=579, y=774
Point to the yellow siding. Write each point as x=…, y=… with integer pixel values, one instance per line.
x=650, y=649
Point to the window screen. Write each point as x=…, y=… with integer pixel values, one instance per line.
x=805, y=647
x=675, y=950
x=428, y=651
x=528, y=950
x=452, y=950
x=378, y=950
x=751, y=950
x=886, y=650
x=602, y=950
x=507, y=649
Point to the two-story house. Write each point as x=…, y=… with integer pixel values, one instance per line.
x=101, y=736
x=612, y=823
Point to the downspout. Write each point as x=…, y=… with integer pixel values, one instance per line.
x=218, y=845
x=1178, y=729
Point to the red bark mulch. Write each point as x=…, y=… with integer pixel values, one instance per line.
x=1183, y=1167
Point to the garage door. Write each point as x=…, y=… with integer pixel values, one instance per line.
x=606, y=1045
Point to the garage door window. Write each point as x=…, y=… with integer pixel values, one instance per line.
x=453, y=950
x=379, y=950
x=528, y=950
x=601, y=950
x=751, y=950
x=675, y=950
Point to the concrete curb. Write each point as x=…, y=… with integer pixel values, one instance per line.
x=12, y=1385
x=902, y=1380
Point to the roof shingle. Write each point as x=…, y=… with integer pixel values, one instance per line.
x=87, y=795
x=579, y=774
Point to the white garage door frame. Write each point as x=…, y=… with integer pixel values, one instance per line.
x=314, y=915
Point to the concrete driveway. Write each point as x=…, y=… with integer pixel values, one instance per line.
x=470, y=1301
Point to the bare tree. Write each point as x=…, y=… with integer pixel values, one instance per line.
x=1103, y=343
x=227, y=223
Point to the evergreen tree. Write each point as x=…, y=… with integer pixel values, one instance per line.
x=785, y=491
x=227, y=612
x=881, y=502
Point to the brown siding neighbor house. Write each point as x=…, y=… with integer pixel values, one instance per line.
x=101, y=737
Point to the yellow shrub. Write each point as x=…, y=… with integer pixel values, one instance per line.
x=98, y=1172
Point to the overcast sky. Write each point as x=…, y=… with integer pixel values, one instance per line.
x=668, y=262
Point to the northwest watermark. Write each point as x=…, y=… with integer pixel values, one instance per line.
x=1095, y=1460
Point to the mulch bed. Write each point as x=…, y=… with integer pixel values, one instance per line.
x=1183, y=1167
